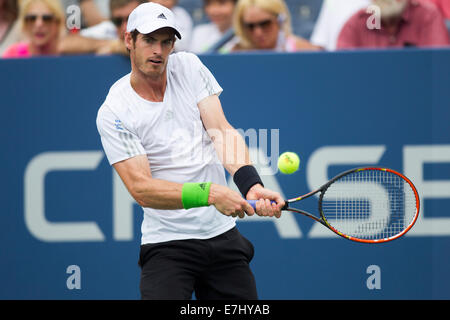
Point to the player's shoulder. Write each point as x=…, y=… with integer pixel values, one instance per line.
x=120, y=85
x=119, y=92
x=183, y=58
x=116, y=99
x=184, y=63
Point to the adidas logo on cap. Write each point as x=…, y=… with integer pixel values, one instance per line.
x=162, y=16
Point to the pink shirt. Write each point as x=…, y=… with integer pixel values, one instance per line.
x=421, y=25
x=444, y=6
x=17, y=50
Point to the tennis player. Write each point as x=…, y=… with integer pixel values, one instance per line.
x=164, y=131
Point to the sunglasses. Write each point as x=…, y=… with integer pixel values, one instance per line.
x=265, y=24
x=46, y=18
x=119, y=20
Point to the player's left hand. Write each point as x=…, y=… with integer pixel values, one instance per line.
x=264, y=206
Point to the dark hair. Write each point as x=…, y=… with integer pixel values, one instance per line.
x=134, y=35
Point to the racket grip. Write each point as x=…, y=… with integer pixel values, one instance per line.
x=253, y=203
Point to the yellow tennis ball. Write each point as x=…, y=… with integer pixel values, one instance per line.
x=288, y=162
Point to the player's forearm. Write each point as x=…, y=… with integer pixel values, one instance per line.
x=157, y=194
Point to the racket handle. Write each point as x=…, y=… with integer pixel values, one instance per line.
x=253, y=203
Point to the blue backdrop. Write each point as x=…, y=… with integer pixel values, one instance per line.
x=71, y=231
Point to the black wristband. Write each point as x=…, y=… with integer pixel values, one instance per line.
x=245, y=178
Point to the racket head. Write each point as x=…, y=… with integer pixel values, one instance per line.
x=370, y=205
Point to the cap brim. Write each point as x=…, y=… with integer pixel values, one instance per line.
x=153, y=26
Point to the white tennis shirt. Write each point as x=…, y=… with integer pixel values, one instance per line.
x=171, y=134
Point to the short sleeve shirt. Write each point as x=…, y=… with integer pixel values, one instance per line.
x=171, y=134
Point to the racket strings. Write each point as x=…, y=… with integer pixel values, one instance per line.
x=369, y=204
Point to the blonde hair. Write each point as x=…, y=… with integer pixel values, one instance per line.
x=276, y=7
x=53, y=5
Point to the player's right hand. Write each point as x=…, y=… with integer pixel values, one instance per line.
x=229, y=202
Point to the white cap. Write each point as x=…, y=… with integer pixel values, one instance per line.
x=149, y=17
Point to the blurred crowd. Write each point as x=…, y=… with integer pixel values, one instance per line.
x=62, y=27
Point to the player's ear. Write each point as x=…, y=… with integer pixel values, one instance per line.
x=128, y=40
x=173, y=45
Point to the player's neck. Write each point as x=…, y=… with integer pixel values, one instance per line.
x=149, y=88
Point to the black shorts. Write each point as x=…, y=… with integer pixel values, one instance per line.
x=215, y=269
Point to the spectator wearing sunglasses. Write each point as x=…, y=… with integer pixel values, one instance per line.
x=42, y=23
x=106, y=37
x=266, y=25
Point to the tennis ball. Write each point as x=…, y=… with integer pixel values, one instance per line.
x=288, y=162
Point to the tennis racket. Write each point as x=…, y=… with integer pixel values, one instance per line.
x=370, y=205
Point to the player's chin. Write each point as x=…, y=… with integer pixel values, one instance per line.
x=152, y=71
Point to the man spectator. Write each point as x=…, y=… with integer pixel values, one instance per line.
x=333, y=15
x=106, y=37
x=403, y=23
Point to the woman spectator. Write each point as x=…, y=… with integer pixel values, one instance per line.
x=42, y=24
x=266, y=25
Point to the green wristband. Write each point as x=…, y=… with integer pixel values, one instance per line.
x=195, y=195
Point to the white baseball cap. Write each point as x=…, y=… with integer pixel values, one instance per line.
x=149, y=17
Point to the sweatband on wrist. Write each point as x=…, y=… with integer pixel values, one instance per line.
x=245, y=178
x=194, y=195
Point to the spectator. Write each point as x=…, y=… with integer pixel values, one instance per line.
x=266, y=25
x=333, y=15
x=42, y=23
x=9, y=26
x=184, y=23
x=403, y=23
x=106, y=37
x=220, y=13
